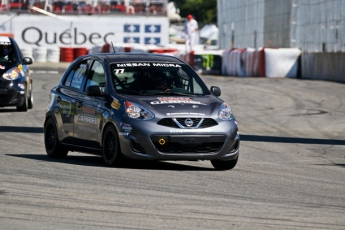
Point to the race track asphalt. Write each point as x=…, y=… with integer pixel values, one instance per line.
x=290, y=174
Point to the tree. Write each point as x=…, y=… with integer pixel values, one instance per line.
x=204, y=11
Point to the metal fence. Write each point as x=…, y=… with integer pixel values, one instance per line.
x=311, y=25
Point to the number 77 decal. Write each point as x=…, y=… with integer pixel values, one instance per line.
x=116, y=71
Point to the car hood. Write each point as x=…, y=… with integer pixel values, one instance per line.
x=179, y=106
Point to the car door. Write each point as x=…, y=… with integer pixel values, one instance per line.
x=89, y=110
x=68, y=95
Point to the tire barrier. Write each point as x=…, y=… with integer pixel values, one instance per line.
x=80, y=51
x=66, y=54
x=96, y=49
x=262, y=62
x=27, y=52
x=106, y=48
x=282, y=62
x=243, y=62
x=40, y=54
x=53, y=55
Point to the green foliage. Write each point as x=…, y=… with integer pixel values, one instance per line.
x=204, y=11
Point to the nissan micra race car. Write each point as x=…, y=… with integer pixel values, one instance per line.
x=139, y=106
x=15, y=80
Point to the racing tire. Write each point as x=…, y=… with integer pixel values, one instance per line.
x=31, y=97
x=52, y=144
x=111, y=152
x=24, y=107
x=224, y=165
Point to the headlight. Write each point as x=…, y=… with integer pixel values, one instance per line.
x=137, y=112
x=12, y=74
x=225, y=113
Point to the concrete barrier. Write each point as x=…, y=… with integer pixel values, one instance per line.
x=323, y=66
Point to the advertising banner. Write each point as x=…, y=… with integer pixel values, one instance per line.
x=85, y=30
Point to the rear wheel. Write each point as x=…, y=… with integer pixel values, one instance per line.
x=52, y=144
x=110, y=147
x=224, y=165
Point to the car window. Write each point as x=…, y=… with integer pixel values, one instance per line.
x=156, y=78
x=7, y=53
x=96, y=76
x=77, y=74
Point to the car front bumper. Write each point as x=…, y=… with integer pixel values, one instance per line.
x=148, y=140
x=11, y=93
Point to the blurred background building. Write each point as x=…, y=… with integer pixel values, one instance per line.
x=311, y=25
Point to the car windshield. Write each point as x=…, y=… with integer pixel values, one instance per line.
x=147, y=78
x=6, y=53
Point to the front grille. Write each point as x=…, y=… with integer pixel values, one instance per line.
x=187, y=148
x=208, y=122
x=169, y=122
x=188, y=143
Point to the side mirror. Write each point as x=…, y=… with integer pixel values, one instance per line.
x=215, y=91
x=94, y=90
x=27, y=61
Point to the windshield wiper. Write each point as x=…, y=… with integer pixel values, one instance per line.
x=168, y=93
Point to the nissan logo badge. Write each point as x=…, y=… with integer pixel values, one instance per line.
x=188, y=122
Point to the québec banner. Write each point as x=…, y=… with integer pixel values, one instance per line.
x=84, y=30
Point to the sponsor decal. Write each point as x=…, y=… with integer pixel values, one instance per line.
x=188, y=131
x=149, y=28
x=87, y=129
x=87, y=119
x=115, y=104
x=175, y=100
x=131, y=28
x=117, y=71
x=20, y=67
x=131, y=40
x=126, y=127
x=145, y=64
x=65, y=108
x=36, y=36
x=88, y=110
x=2, y=67
x=195, y=114
x=152, y=40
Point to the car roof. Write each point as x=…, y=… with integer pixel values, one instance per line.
x=137, y=57
x=4, y=40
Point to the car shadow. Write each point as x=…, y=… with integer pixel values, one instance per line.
x=20, y=129
x=3, y=110
x=97, y=161
x=291, y=140
x=243, y=137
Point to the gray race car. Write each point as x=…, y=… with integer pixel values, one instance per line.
x=139, y=106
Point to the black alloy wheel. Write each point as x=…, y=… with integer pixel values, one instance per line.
x=110, y=148
x=52, y=144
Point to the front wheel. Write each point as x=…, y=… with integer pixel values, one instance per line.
x=224, y=165
x=24, y=107
x=31, y=97
x=111, y=152
x=52, y=144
